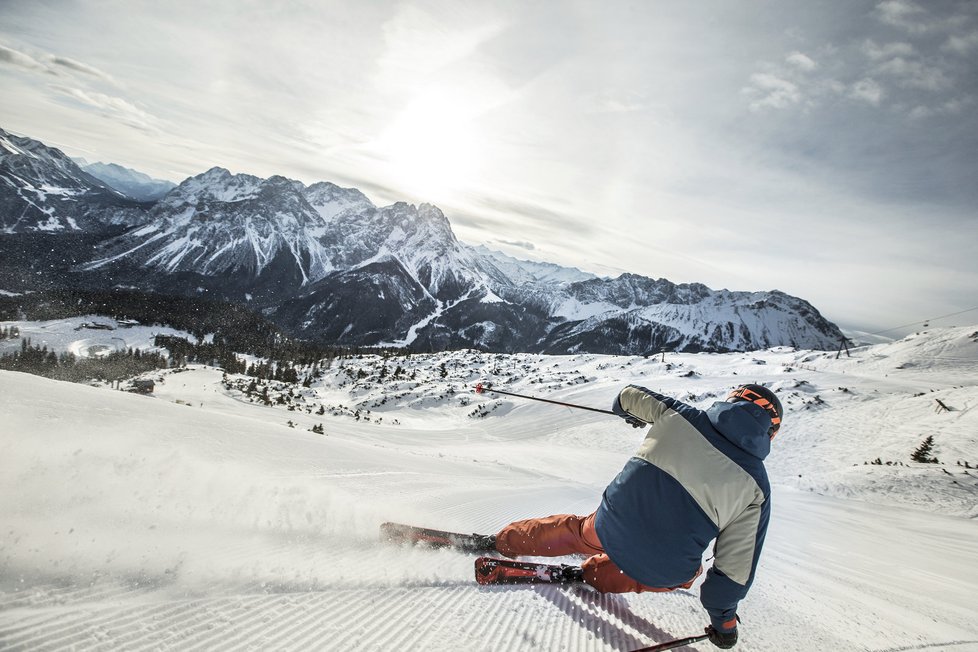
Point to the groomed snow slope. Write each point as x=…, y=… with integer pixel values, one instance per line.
x=195, y=519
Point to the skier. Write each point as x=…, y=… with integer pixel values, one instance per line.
x=698, y=475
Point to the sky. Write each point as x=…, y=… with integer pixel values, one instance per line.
x=825, y=149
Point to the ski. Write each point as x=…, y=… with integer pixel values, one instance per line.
x=490, y=570
x=409, y=534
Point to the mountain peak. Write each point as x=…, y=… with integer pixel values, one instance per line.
x=215, y=172
x=330, y=200
x=217, y=184
x=521, y=271
x=131, y=182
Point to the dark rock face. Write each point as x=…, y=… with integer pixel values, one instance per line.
x=365, y=306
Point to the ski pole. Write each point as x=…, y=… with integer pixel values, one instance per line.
x=669, y=645
x=481, y=388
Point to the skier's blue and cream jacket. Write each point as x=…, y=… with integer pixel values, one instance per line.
x=698, y=475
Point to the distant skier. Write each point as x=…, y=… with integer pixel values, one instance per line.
x=698, y=475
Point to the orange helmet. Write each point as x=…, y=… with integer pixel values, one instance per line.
x=762, y=396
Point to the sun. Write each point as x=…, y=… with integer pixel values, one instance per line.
x=432, y=147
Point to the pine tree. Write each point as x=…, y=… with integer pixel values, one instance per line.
x=922, y=454
x=290, y=375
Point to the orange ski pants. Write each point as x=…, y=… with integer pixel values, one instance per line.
x=567, y=534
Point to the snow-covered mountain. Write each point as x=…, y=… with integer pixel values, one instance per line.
x=43, y=190
x=279, y=235
x=324, y=263
x=637, y=314
x=131, y=183
x=221, y=224
x=522, y=272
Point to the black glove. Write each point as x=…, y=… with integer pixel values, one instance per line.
x=723, y=640
x=631, y=420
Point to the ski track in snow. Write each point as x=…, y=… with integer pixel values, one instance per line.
x=396, y=618
x=138, y=523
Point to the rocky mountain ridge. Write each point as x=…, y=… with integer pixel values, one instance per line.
x=129, y=182
x=42, y=189
x=325, y=263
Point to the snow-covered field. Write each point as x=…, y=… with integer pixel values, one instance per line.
x=201, y=518
x=89, y=336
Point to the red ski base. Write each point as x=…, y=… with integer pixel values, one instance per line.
x=489, y=570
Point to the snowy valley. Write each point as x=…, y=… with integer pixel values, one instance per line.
x=225, y=512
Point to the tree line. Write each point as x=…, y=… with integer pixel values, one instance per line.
x=225, y=324
x=114, y=366
x=223, y=331
x=228, y=323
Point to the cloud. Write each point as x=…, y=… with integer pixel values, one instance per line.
x=878, y=52
x=914, y=74
x=914, y=19
x=867, y=90
x=953, y=106
x=831, y=86
x=529, y=246
x=78, y=66
x=546, y=218
x=75, y=82
x=51, y=64
x=771, y=91
x=113, y=107
x=801, y=61
x=911, y=76
x=902, y=62
x=962, y=45
x=899, y=13
x=15, y=58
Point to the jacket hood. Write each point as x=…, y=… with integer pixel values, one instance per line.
x=743, y=424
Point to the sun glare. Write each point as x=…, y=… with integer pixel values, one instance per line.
x=432, y=147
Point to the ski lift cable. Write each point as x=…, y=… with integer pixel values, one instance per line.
x=924, y=321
